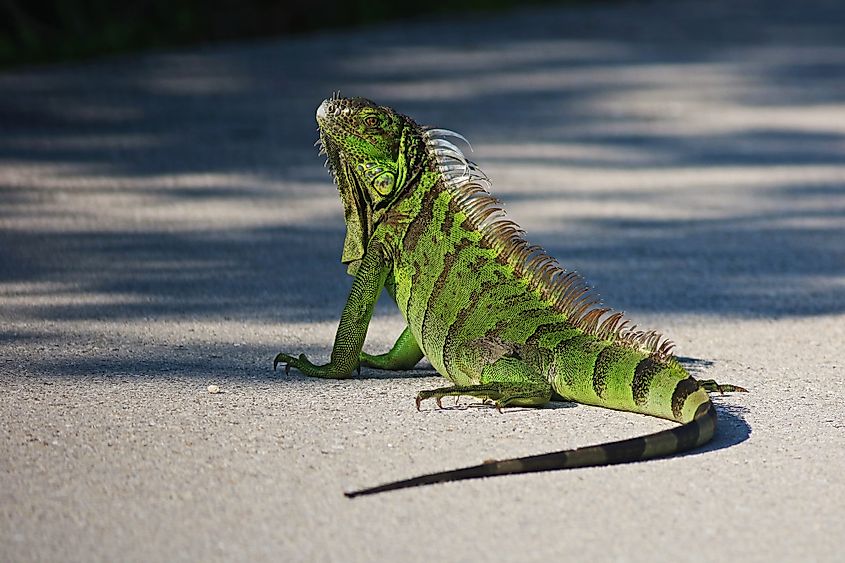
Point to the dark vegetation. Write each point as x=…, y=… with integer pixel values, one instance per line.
x=34, y=31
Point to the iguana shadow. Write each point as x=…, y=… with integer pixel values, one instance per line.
x=732, y=428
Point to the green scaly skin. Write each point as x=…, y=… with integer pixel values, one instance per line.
x=494, y=315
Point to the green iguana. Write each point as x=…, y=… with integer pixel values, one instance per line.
x=495, y=315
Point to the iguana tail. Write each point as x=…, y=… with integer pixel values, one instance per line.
x=690, y=435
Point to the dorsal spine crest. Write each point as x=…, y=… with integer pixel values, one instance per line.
x=564, y=290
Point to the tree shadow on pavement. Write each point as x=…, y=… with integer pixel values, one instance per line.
x=184, y=185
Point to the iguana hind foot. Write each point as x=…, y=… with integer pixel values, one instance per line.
x=499, y=395
x=711, y=386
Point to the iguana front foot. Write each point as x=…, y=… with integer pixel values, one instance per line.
x=288, y=361
x=303, y=364
x=404, y=355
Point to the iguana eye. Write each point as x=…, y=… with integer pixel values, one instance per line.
x=371, y=121
x=384, y=183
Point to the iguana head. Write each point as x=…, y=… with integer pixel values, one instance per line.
x=373, y=152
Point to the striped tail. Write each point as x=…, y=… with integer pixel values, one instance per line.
x=694, y=433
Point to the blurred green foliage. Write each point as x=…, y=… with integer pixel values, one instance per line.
x=52, y=30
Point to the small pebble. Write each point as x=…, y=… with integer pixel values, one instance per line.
x=213, y=389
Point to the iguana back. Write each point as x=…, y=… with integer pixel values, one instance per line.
x=494, y=314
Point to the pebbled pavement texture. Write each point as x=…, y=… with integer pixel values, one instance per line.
x=166, y=225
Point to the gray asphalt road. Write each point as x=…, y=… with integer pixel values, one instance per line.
x=165, y=225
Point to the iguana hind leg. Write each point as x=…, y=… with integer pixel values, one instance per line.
x=508, y=382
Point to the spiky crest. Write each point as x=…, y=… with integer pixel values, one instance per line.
x=566, y=290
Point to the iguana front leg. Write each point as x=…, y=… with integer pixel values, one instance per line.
x=354, y=321
x=405, y=354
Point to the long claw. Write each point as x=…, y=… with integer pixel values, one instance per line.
x=439, y=403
